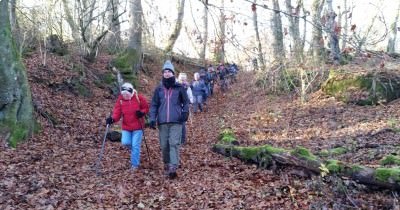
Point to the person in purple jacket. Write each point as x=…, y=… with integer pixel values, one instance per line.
x=169, y=109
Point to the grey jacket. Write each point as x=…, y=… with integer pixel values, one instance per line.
x=167, y=105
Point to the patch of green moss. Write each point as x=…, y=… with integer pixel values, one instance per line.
x=387, y=174
x=303, y=153
x=273, y=150
x=227, y=136
x=324, y=153
x=356, y=168
x=18, y=132
x=248, y=152
x=108, y=78
x=390, y=160
x=338, y=151
x=334, y=166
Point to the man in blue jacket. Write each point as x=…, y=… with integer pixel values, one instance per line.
x=169, y=108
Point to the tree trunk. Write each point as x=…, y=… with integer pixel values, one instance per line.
x=267, y=156
x=343, y=18
x=114, y=40
x=135, y=39
x=220, y=42
x=205, y=33
x=333, y=33
x=294, y=27
x=258, y=41
x=14, y=24
x=71, y=21
x=278, y=47
x=317, y=39
x=16, y=118
x=177, y=30
x=391, y=47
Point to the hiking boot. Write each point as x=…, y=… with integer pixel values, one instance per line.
x=133, y=169
x=172, y=172
x=166, y=170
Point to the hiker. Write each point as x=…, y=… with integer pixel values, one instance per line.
x=204, y=78
x=182, y=79
x=169, y=109
x=198, y=90
x=212, y=77
x=131, y=107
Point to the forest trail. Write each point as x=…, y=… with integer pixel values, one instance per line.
x=56, y=168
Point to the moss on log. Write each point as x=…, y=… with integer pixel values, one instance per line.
x=266, y=156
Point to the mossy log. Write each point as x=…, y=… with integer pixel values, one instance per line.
x=266, y=156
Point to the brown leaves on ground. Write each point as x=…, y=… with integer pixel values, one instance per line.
x=56, y=168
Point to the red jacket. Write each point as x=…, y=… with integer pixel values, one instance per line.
x=127, y=110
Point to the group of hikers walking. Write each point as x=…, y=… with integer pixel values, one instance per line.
x=168, y=111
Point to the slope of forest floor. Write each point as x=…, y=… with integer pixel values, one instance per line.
x=55, y=169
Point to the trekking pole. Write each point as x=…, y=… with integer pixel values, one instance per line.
x=145, y=142
x=102, y=150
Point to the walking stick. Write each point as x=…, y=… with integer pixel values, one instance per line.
x=145, y=142
x=102, y=150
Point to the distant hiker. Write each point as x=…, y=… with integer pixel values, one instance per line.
x=204, y=76
x=198, y=90
x=169, y=109
x=182, y=79
x=131, y=107
x=212, y=77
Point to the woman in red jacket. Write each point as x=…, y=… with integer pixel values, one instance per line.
x=132, y=107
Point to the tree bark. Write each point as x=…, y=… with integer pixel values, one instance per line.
x=278, y=47
x=220, y=42
x=71, y=21
x=391, y=47
x=135, y=39
x=14, y=24
x=114, y=40
x=317, y=39
x=258, y=40
x=205, y=33
x=177, y=30
x=333, y=30
x=16, y=118
x=267, y=156
x=294, y=28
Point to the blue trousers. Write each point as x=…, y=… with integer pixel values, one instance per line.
x=133, y=140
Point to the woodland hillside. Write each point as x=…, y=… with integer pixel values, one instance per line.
x=55, y=168
x=305, y=113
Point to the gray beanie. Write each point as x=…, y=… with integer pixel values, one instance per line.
x=168, y=65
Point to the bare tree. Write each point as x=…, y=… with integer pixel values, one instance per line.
x=135, y=38
x=114, y=40
x=333, y=32
x=258, y=41
x=205, y=32
x=317, y=39
x=90, y=26
x=177, y=30
x=391, y=47
x=220, y=42
x=294, y=27
x=278, y=47
x=16, y=110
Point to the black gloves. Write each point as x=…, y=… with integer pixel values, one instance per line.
x=152, y=124
x=184, y=116
x=139, y=114
x=109, y=121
